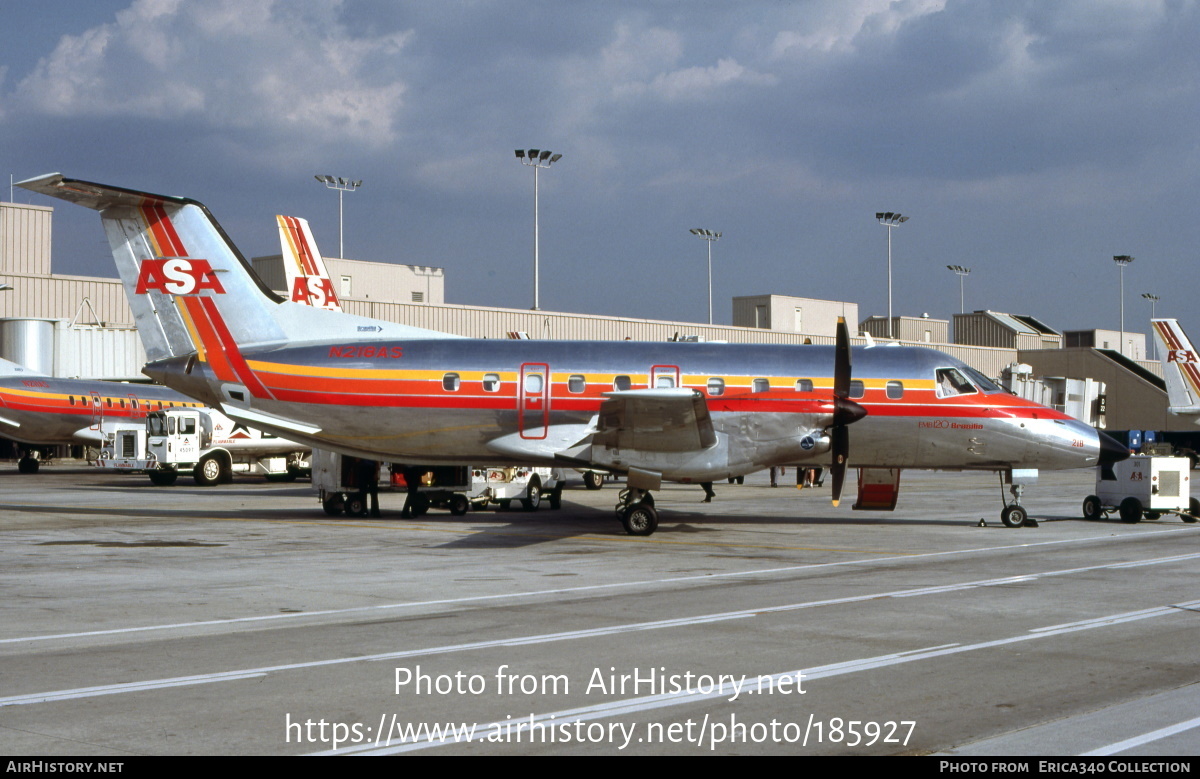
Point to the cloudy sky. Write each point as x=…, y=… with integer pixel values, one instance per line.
x=1028, y=140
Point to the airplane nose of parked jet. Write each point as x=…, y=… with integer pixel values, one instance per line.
x=1111, y=450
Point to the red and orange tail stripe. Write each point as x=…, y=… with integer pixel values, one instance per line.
x=301, y=249
x=209, y=333
x=1188, y=368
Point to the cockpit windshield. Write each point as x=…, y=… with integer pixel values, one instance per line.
x=951, y=382
x=982, y=382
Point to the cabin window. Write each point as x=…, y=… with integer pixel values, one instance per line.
x=133, y=402
x=621, y=383
x=857, y=389
x=576, y=384
x=664, y=382
x=761, y=385
x=122, y=402
x=72, y=397
x=895, y=390
x=951, y=382
x=451, y=382
x=108, y=401
x=716, y=386
x=533, y=384
x=804, y=385
x=491, y=382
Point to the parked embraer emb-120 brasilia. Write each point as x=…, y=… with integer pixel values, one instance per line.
x=688, y=412
x=40, y=410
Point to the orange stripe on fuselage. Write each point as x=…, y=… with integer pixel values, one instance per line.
x=423, y=389
x=232, y=354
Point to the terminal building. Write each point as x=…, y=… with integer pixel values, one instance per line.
x=82, y=327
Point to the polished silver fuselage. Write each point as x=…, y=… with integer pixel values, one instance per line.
x=471, y=401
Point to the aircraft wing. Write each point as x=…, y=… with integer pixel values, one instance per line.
x=655, y=420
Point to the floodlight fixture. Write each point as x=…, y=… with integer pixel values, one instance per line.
x=962, y=274
x=709, y=237
x=1122, y=260
x=1153, y=315
x=342, y=185
x=890, y=219
x=536, y=158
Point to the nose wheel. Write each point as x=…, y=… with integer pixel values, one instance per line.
x=635, y=509
x=1014, y=514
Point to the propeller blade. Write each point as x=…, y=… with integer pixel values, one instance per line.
x=840, y=445
x=841, y=361
x=845, y=411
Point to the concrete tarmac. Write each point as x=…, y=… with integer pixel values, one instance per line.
x=240, y=619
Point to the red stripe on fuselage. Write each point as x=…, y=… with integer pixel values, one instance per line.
x=427, y=393
x=232, y=354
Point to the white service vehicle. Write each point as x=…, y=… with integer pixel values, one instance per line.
x=1143, y=486
x=124, y=446
x=456, y=488
x=205, y=443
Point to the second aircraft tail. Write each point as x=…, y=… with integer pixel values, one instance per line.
x=1180, y=366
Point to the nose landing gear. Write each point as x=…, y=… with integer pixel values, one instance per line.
x=1014, y=514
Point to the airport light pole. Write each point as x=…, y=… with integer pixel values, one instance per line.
x=890, y=219
x=1153, y=307
x=962, y=274
x=536, y=159
x=709, y=237
x=1122, y=260
x=342, y=186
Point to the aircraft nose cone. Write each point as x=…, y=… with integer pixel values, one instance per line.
x=1111, y=450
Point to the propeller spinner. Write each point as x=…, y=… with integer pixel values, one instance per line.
x=845, y=411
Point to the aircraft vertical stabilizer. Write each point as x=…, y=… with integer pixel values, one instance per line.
x=191, y=290
x=307, y=279
x=1180, y=365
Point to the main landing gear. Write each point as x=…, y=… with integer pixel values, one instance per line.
x=635, y=509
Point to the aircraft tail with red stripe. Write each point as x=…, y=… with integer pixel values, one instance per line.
x=308, y=281
x=191, y=290
x=1180, y=365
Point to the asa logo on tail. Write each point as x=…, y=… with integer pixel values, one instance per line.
x=1180, y=355
x=178, y=276
x=316, y=291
